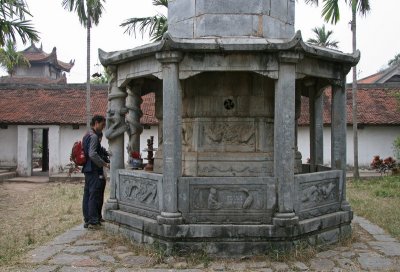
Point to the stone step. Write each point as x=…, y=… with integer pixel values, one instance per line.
x=7, y=169
x=7, y=175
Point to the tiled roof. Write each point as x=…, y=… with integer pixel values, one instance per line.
x=65, y=104
x=32, y=80
x=61, y=105
x=34, y=54
x=377, y=106
x=371, y=79
x=390, y=74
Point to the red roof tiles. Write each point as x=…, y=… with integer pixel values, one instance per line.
x=59, y=106
x=376, y=106
x=34, y=54
x=65, y=104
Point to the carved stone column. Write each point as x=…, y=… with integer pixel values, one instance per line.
x=316, y=110
x=115, y=129
x=133, y=102
x=172, y=136
x=298, y=165
x=338, y=130
x=158, y=159
x=284, y=134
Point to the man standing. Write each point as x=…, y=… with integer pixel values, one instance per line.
x=92, y=169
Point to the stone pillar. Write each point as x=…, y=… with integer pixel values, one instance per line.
x=338, y=130
x=284, y=135
x=133, y=102
x=172, y=136
x=316, y=110
x=115, y=129
x=298, y=165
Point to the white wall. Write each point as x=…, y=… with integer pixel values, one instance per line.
x=372, y=140
x=8, y=146
x=68, y=137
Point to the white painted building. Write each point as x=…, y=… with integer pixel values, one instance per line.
x=62, y=113
x=372, y=140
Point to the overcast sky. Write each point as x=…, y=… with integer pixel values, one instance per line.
x=378, y=33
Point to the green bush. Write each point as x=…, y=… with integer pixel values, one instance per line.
x=396, y=147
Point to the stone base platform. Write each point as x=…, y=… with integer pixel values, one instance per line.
x=229, y=239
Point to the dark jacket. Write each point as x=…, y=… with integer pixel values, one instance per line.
x=91, y=147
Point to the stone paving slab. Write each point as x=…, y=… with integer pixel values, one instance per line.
x=82, y=249
x=77, y=250
x=68, y=259
x=387, y=248
x=69, y=236
x=42, y=253
x=374, y=262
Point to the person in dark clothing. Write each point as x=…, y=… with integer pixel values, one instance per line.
x=105, y=156
x=92, y=170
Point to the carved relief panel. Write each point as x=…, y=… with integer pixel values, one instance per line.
x=227, y=136
x=318, y=193
x=139, y=192
x=224, y=200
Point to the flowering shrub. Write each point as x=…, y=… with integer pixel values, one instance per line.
x=383, y=165
x=135, y=155
x=376, y=162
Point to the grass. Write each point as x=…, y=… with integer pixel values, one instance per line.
x=378, y=200
x=32, y=215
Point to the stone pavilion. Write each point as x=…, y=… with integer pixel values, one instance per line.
x=228, y=179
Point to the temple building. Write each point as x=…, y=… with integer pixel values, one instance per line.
x=45, y=68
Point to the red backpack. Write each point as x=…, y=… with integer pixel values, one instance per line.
x=77, y=154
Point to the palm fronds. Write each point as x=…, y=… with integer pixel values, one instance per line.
x=323, y=38
x=155, y=25
x=13, y=22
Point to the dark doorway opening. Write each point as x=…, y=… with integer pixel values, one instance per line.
x=40, y=152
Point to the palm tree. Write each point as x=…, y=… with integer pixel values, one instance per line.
x=331, y=13
x=156, y=25
x=89, y=12
x=322, y=38
x=13, y=22
x=10, y=58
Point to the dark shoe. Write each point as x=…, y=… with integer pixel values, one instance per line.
x=102, y=220
x=86, y=225
x=94, y=226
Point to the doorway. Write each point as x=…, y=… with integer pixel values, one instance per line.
x=40, y=152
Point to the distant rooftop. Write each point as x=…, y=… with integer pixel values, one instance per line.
x=45, y=68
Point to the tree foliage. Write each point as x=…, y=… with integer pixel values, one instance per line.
x=323, y=38
x=88, y=11
x=395, y=60
x=13, y=22
x=331, y=11
x=10, y=58
x=155, y=25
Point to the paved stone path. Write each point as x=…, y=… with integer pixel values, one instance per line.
x=83, y=251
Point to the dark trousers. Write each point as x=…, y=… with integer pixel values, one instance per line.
x=91, y=198
x=101, y=200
